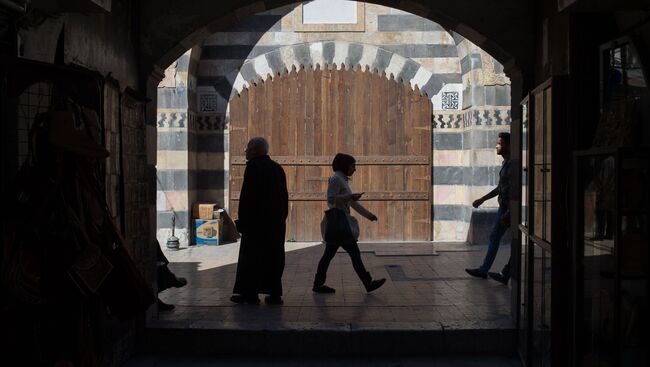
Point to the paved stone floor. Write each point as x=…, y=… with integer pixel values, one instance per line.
x=426, y=287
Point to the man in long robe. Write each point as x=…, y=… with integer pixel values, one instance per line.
x=263, y=210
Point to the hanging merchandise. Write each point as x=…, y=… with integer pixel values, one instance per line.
x=83, y=140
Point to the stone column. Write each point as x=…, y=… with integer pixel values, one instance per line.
x=175, y=166
x=486, y=107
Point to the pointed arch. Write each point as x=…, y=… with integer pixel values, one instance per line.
x=349, y=55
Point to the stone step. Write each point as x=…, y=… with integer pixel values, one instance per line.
x=309, y=339
x=473, y=360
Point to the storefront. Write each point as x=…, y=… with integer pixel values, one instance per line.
x=583, y=232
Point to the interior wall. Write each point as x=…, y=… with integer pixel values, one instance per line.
x=101, y=41
x=105, y=43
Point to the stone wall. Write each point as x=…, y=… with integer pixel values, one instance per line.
x=465, y=165
x=176, y=168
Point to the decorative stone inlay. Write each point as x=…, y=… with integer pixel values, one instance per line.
x=490, y=77
x=208, y=102
x=449, y=100
x=468, y=118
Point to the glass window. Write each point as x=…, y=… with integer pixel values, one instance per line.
x=546, y=310
x=538, y=326
x=523, y=304
x=633, y=261
x=329, y=12
x=548, y=139
x=598, y=343
x=541, y=328
x=622, y=74
x=542, y=164
x=524, y=163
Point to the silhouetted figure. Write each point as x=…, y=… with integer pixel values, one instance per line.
x=166, y=279
x=263, y=209
x=340, y=196
x=502, y=219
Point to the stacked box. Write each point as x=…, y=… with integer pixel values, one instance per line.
x=207, y=231
x=204, y=210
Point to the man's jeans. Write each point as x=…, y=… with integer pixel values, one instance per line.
x=497, y=232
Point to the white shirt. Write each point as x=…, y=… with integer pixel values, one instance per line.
x=339, y=195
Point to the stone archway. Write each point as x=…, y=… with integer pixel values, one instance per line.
x=191, y=23
x=453, y=218
x=492, y=33
x=510, y=48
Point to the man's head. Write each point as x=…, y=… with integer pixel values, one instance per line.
x=503, y=144
x=258, y=146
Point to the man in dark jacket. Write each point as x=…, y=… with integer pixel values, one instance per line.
x=502, y=221
x=263, y=209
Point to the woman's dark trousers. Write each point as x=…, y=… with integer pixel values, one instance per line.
x=330, y=250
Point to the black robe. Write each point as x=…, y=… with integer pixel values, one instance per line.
x=263, y=209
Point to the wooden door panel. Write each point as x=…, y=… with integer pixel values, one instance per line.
x=310, y=115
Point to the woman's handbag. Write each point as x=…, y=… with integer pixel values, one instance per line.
x=337, y=227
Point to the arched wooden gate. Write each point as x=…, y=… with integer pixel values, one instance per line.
x=310, y=115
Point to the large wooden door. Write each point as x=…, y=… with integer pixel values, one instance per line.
x=310, y=115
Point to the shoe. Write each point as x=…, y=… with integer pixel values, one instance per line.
x=375, y=284
x=162, y=306
x=499, y=277
x=179, y=282
x=240, y=299
x=273, y=300
x=323, y=289
x=476, y=273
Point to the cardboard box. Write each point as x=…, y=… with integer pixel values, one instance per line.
x=204, y=210
x=207, y=231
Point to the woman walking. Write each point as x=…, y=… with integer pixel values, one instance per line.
x=340, y=196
